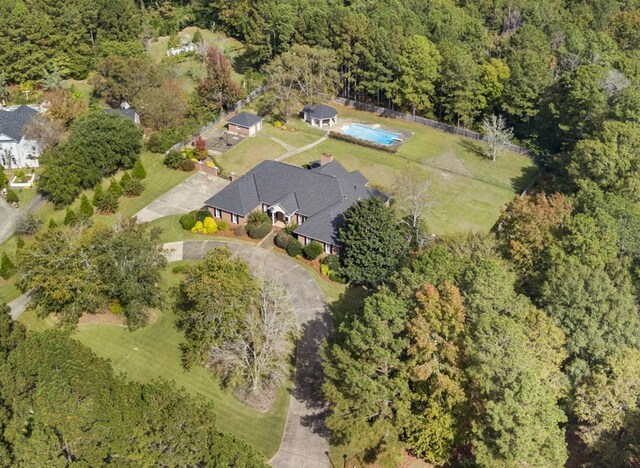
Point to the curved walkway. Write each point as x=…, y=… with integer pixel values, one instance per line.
x=305, y=438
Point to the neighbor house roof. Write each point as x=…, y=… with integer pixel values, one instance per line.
x=244, y=120
x=321, y=194
x=129, y=112
x=320, y=111
x=13, y=122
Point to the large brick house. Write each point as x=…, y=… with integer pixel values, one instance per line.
x=313, y=198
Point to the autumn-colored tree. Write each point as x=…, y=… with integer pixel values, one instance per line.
x=162, y=107
x=527, y=225
x=218, y=91
x=201, y=151
x=435, y=351
x=64, y=105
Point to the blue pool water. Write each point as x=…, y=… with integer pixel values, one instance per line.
x=372, y=134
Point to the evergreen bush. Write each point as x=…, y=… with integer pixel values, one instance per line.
x=312, y=250
x=294, y=248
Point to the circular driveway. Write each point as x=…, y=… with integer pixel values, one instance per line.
x=305, y=438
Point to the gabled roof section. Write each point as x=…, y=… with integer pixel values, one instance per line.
x=320, y=111
x=13, y=123
x=289, y=203
x=245, y=120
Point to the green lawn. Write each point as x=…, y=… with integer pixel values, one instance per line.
x=153, y=352
x=468, y=189
x=248, y=153
x=297, y=133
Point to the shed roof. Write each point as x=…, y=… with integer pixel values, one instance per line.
x=245, y=120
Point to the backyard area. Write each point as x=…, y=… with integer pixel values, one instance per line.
x=468, y=188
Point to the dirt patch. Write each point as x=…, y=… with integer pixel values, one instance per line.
x=105, y=317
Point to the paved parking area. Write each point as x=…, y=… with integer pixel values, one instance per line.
x=188, y=196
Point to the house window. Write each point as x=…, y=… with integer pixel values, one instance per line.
x=327, y=248
x=307, y=241
x=234, y=218
x=217, y=212
x=301, y=219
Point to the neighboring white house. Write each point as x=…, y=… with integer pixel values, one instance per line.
x=183, y=49
x=15, y=150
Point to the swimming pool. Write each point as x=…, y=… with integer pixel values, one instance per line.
x=371, y=134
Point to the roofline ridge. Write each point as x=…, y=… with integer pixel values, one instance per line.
x=298, y=167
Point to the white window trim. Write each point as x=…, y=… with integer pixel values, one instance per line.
x=234, y=218
x=327, y=248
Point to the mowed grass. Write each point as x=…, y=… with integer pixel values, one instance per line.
x=297, y=133
x=153, y=353
x=249, y=153
x=467, y=188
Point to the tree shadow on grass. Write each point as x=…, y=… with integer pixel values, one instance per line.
x=309, y=374
x=475, y=148
x=527, y=175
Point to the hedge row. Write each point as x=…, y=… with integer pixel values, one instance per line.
x=361, y=142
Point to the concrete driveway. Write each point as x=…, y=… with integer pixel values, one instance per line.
x=188, y=196
x=305, y=439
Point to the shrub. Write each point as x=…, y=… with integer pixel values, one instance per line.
x=131, y=186
x=332, y=261
x=294, y=248
x=238, y=231
x=179, y=269
x=116, y=308
x=312, y=250
x=258, y=231
x=361, y=142
x=28, y=225
x=282, y=239
x=334, y=276
x=12, y=196
x=115, y=189
x=86, y=210
x=173, y=159
x=201, y=215
x=201, y=151
x=138, y=172
x=52, y=224
x=7, y=268
x=258, y=217
x=208, y=226
x=290, y=229
x=188, y=221
x=161, y=140
x=324, y=269
x=223, y=225
x=187, y=165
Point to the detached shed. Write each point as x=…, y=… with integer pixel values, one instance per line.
x=245, y=123
x=320, y=115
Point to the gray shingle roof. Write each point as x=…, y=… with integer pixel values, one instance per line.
x=245, y=120
x=13, y=123
x=320, y=111
x=320, y=195
x=129, y=113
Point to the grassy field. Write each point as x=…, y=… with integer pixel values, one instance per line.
x=297, y=133
x=153, y=352
x=249, y=153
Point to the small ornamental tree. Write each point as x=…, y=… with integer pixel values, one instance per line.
x=86, y=210
x=7, y=268
x=98, y=195
x=201, y=151
x=131, y=186
x=70, y=217
x=138, y=171
x=115, y=189
x=52, y=224
x=373, y=244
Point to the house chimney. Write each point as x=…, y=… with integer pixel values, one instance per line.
x=233, y=177
x=326, y=158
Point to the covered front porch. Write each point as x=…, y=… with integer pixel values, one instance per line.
x=279, y=217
